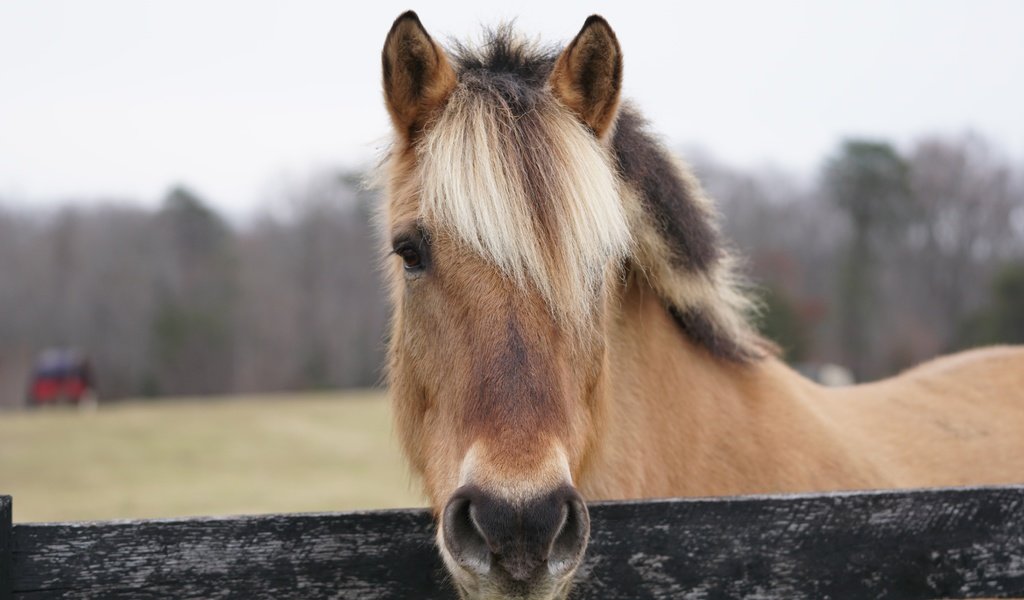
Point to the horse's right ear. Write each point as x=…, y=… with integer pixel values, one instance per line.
x=417, y=75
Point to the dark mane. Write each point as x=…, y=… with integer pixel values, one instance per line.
x=674, y=205
x=506, y=65
x=504, y=54
x=672, y=202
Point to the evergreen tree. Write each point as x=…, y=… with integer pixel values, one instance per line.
x=868, y=181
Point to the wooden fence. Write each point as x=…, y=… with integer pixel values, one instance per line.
x=948, y=543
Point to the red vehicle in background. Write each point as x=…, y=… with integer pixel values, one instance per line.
x=61, y=376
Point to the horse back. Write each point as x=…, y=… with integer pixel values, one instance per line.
x=955, y=420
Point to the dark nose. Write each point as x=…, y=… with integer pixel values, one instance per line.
x=525, y=541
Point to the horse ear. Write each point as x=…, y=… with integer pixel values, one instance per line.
x=417, y=75
x=587, y=77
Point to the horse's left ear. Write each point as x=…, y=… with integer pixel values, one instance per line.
x=417, y=75
x=587, y=76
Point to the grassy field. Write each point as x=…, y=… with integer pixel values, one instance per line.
x=286, y=453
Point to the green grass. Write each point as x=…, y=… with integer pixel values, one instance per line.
x=236, y=455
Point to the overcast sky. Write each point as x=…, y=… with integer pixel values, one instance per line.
x=122, y=98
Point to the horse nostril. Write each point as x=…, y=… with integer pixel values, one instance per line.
x=570, y=541
x=463, y=538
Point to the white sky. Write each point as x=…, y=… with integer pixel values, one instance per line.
x=122, y=98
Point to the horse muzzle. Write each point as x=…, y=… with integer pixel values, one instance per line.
x=514, y=549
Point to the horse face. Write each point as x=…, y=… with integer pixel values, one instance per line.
x=508, y=234
x=494, y=405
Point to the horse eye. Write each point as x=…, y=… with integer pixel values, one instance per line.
x=411, y=257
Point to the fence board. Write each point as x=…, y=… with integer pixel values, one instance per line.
x=959, y=543
x=5, y=548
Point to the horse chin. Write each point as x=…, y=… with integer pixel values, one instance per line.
x=489, y=591
x=473, y=587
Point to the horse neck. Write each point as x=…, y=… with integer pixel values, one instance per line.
x=678, y=421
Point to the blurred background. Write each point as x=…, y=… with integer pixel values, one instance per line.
x=191, y=316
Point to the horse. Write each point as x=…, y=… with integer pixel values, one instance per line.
x=569, y=325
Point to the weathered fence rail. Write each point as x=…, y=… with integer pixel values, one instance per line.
x=951, y=543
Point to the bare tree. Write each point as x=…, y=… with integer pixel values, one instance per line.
x=964, y=228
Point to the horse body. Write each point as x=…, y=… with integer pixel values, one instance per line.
x=569, y=325
x=956, y=420
x=682, y=422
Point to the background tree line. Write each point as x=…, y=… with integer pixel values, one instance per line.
x=884, y=259
x=178, y=301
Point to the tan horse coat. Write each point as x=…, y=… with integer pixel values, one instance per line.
x=682, y=422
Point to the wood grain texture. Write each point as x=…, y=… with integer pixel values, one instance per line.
x=960, y=543
x=5, y=548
